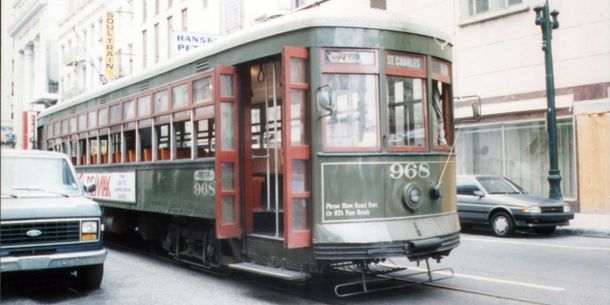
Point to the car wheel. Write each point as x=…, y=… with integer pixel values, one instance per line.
x=545, y=230
x=502, y=224
x=90, y=277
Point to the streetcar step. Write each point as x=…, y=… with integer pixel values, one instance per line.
x=284, y=274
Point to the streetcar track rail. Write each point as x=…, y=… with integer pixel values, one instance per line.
x=301, y=289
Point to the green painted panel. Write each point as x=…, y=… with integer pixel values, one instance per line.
x=178, y=191
x=359, y=189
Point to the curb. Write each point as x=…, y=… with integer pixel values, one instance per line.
x=583, y=232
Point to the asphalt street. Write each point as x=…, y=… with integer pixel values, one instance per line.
x=523, y=269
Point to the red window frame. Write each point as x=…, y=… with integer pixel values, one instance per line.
x=446, y=104
x=347, y=68
x=392, y=70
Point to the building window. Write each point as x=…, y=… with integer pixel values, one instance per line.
x=144, y=59
x=483, y=9
x=156, y=43
x=144, y=10
x=130, y=48
x=518, y=151
x=379, y=4
x=184, y=20
x=170, y=30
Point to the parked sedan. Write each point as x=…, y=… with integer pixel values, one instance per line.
x=502, y=205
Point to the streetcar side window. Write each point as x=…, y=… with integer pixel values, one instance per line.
x=93, y=149
x=205, y=131
x=145, y=133
x=162, y=140
x=182, y=139
x=442, y=118
x=82, y=152
x=130, y=145
x=103, y=143
x=115, y=140
x=74, y=150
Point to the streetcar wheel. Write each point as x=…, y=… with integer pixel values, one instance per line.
x=502, y=224
x=90, y=277
x=545, y=230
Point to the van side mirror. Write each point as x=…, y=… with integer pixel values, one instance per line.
x=324, y=99
x=479, y=194
x=89, y=187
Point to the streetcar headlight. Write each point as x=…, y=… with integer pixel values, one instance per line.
x=415, y=195
x=567, y=209
x=88, y=230
x=531, y=209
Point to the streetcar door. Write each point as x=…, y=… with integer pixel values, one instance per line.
x=227, y=153
x=263, y=148
x=297, y=192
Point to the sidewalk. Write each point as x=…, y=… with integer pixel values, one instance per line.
x=594, y=225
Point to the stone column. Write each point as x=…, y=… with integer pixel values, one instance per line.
x=18, y=99
x=28, y=75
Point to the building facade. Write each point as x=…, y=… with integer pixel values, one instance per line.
x=145, y=33
x=498, y=59
x=31, y=69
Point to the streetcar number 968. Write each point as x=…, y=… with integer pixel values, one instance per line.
x=409, y=170
x=204, y=188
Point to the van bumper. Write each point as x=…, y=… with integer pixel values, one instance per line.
x=52, y=261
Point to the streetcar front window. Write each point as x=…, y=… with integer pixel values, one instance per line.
x=353, y=124
x=406, y=111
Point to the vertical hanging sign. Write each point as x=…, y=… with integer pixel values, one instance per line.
x=109, y=46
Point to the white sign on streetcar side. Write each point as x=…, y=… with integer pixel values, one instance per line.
x=118, y=186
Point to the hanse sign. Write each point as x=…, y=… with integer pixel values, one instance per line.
x=183, y=42
x=112, y=186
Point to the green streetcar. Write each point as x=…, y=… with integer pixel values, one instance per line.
x=303, y=144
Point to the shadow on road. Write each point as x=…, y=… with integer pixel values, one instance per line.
x=41, y=287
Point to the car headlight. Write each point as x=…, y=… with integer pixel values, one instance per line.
x=531, y=209
x=88, y=227
x=566, y=208
x=88, y=231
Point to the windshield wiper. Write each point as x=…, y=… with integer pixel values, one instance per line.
x=498, y=192
x=42, y=190
x=10, y=195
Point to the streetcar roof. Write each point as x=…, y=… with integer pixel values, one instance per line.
x=301, y=19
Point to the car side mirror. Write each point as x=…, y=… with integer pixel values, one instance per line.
x=89, y=187
x=478, y=194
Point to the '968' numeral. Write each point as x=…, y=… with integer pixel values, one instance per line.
x=409, y=170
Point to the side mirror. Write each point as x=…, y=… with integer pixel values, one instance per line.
x=89, y=187
x=325, y=99
x=479, y=194
x=476, y=109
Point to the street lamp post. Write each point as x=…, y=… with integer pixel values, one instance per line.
x=548, y=25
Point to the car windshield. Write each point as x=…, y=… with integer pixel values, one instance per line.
x=52, y=175
x=497, y=185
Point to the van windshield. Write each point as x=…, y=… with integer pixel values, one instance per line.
x=51, y=175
